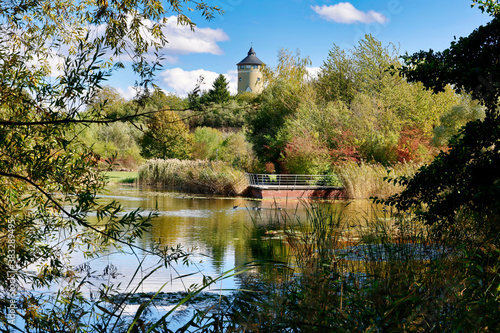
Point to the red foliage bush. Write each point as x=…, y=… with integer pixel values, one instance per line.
x=344, y=149
x=413, y=146
x=306, y=155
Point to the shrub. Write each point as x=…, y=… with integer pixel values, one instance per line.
x=305, y=155
x=379, y=148
x=214, y=145
x=236, y=151
x=206, y=142
x=413, y=147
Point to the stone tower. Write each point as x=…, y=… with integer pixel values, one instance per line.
x=249, y=75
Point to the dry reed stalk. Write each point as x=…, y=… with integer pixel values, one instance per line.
x=363, y=180
x=199, y=176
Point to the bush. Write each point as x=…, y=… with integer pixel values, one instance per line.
x=379, y=148
x=307, y=156
x=116, y=141
x=214, y=145
x=207, y=141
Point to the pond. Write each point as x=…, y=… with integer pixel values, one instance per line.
x=216, y=230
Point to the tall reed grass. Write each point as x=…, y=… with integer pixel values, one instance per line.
x=364, y=180
x=397, y=278
x=198, y=176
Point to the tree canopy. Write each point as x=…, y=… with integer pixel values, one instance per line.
x=219, y=93
x=469, y=64
x=166, y=137
x=462, y=182
x=54, y=58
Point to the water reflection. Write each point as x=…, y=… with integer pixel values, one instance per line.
x=220, y=232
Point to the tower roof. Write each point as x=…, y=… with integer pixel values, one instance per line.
x=251, y=59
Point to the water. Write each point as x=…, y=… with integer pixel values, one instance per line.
x=216, y=231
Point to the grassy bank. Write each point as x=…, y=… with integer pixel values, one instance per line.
x=195, y=176
x=363, y=180
x=123, y=177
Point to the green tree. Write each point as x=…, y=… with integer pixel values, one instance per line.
x=219, y=93
x=464, y=180
x=49, y=179
x=336, y=77
x=455, y=119
x=365, y=111
x=117, y=142
x=110, y=101
x=364, y=69
x=159, y=101
x=490, y=6
x=286, y=87
x=166, y=137
x=469, y=64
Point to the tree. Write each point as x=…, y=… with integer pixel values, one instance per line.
x=492, y=7
x=469, y=64
x=363, y=70
x=336, y=77
x=455, y=119
x=364, y=111
x=49, y=179
x=286, y=87
x=110, y=101
x=160, y=101
x=463, y=181
x=219, y=93
x=166, y=137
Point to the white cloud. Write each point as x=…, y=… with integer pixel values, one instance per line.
x=129, y=94
x=182, y=82
x=232, y=78
x=345, y=12
x=181, y=39
x=313, y=72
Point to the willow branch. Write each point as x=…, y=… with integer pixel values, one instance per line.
x=61, y=208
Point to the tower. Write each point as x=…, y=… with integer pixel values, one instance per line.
x=249, y=75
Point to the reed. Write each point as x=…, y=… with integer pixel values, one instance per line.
x=364, y=180
x=397, y=278
x=198, y=176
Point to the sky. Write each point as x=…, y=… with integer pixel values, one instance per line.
x=310, y=26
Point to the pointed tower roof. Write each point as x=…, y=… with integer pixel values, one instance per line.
x=251, y=59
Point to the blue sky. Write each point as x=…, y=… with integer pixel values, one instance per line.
x=311, y=26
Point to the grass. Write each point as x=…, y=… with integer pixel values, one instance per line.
x=198, y=176
x=393, y=277
x=124, y=177
x=363, y=180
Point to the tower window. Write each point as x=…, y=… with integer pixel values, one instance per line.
x=255, y=66
x=242, y=66
x=240, y=79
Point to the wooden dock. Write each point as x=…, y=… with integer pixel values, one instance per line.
x=294, y=186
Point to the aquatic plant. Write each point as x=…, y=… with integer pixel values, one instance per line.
x=365, y=180
x=200, y=176
x=384, y=272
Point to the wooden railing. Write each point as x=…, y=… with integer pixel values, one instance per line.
x=286, y=180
